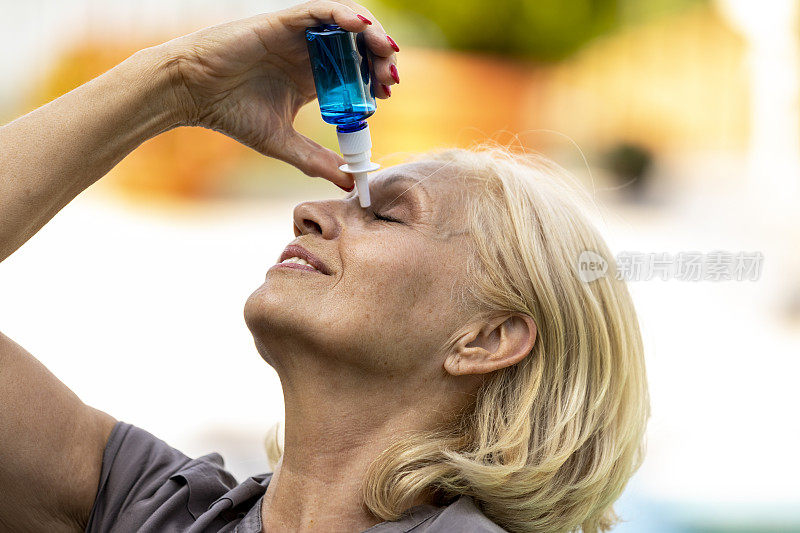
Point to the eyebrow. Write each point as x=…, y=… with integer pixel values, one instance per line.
x=390, y=181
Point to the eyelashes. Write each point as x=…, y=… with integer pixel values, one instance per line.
x=384, y=217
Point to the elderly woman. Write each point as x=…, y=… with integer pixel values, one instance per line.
x=444, y=366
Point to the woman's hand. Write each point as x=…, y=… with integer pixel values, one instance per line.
x=248, y=79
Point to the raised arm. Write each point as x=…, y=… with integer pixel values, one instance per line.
x=51, y=447
x=50, y=155
x=51, y=444
x=246, y=79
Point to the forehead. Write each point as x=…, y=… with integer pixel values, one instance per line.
x=433, y=185
x=424, y=174
x=435, y=181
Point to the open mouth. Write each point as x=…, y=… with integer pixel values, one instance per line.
x=297, y=263
x=295, y=256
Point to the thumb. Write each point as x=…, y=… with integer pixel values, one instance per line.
x=314, y=160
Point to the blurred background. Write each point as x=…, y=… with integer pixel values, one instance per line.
x=681, y=116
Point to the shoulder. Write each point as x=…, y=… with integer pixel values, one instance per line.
x=147, y=485
x=462, y=515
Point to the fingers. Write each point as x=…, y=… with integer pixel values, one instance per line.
x=314, y=160
x=384, y=50
x=385, y=72
x=384, y=91
x=384, y=61
x=346, y=13
x=350, y=16
x=327, y=12
x=381, y=43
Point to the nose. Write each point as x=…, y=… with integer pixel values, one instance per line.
x=315, y=217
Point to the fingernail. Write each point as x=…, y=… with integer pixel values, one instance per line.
x=395, y=76
x=365, y=20
x=394, y=44
x=346, y=190
x=386, y=89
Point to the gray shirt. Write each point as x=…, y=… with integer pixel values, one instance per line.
x=147, y=485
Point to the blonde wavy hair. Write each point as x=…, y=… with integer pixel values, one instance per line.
x=550, y=442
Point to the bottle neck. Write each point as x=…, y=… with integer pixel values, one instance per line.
x=352, y=127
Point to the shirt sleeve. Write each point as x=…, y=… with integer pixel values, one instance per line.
x=146, y=484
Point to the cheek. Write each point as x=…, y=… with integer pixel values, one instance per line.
x=396, y=303
x=392, y=280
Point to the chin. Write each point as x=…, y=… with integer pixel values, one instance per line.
x=280, y=315
x=264, y=310
x=281, y=323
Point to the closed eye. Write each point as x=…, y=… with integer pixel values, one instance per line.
x=384, y=217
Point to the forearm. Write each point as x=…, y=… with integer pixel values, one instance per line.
x=50, y=155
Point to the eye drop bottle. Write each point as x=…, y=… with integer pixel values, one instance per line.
x=342, y=71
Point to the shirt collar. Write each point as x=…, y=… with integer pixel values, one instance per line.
x=410, y=519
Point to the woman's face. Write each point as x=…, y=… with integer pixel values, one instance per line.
x=389, y=303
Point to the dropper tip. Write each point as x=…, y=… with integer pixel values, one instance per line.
x=362, y=186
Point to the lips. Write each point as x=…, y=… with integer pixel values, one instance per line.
x=295, y=250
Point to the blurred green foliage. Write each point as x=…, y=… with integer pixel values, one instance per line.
x=538, y=29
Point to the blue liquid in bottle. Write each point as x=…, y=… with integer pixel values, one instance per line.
x=342, y=75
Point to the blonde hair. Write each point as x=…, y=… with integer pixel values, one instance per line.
x=551, y=441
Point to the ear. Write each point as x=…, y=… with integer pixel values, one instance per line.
x=487, y=347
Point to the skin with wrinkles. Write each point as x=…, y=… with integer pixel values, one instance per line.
x=360, y=352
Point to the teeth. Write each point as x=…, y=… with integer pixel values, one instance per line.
x=297, y=260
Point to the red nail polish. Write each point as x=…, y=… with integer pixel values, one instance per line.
x=394, y=44
x=395, y=76
x=346, y=190
x=365, y=20
x=386, y=89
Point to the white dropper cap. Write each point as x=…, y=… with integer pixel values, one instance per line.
x=356, y=148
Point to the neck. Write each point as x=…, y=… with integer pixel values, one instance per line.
x=331, y=438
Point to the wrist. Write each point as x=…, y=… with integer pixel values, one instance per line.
x=154, y=74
